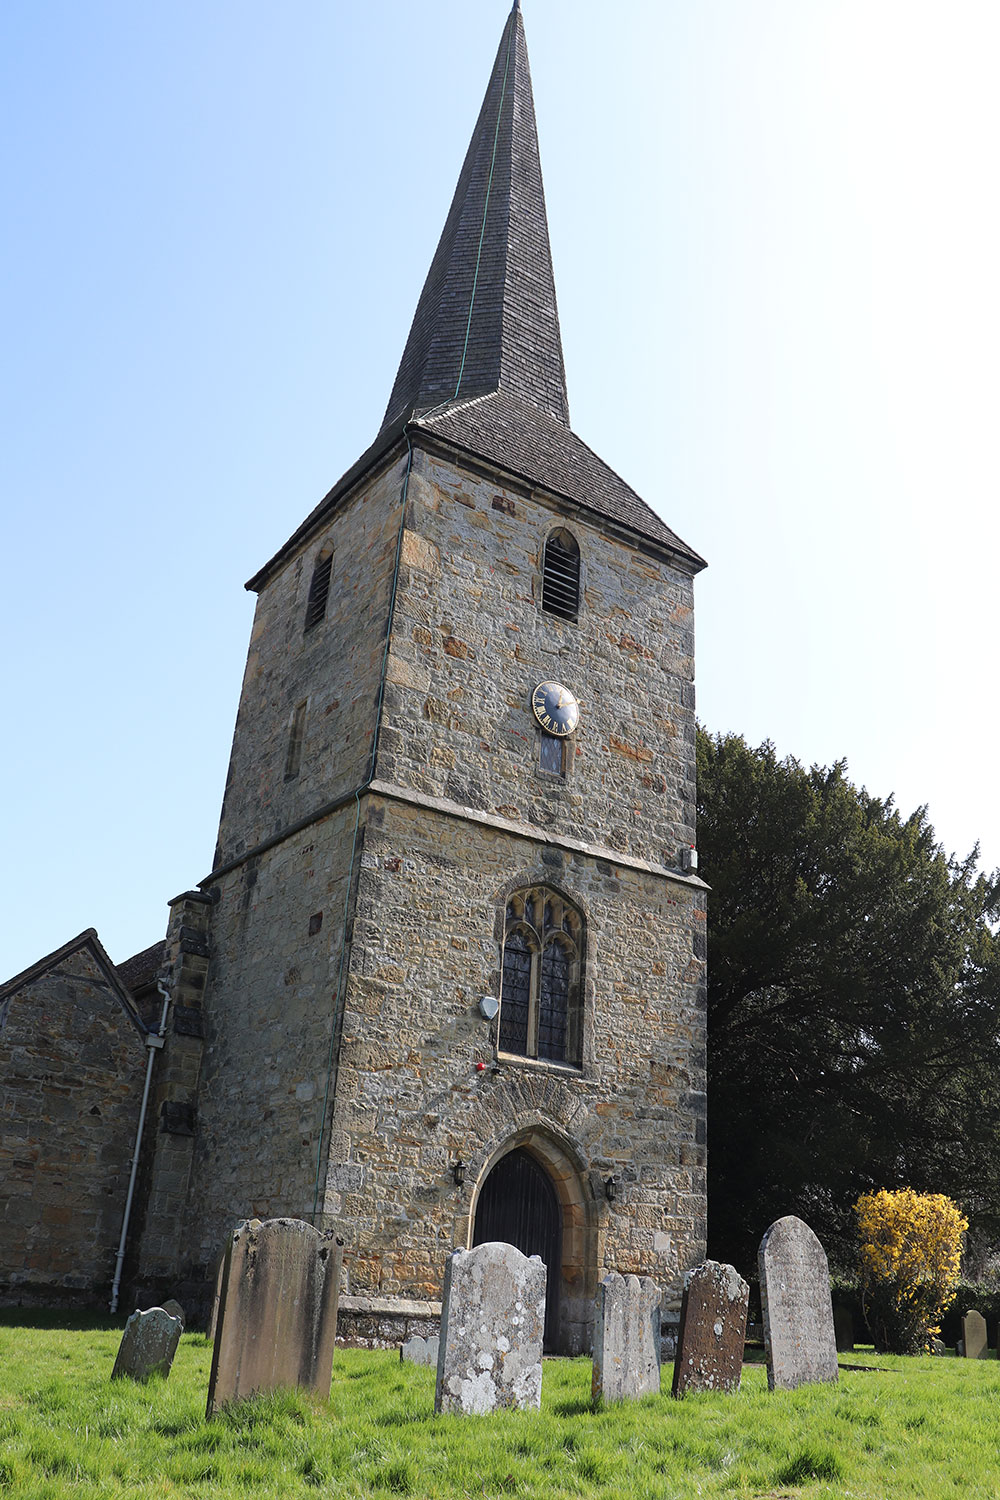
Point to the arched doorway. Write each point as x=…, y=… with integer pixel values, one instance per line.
x=518, y=1205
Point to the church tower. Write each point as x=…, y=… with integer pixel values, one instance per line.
x=456, y=978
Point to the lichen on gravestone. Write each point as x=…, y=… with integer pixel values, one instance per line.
x=709, y=1353
x=626, y=1339
x=148, y=1345
x=492, y=1318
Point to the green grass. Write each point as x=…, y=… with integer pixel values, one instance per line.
x=911, y=1427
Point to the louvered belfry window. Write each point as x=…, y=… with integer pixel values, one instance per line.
x=319, y=591
x=540, y=1014
x=561, y=576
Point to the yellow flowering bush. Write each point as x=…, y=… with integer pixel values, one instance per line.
x=910, y=1249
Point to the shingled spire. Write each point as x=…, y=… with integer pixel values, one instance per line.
x=487, y=318
x=482, y=372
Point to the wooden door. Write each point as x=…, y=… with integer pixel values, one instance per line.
x=518, y=1205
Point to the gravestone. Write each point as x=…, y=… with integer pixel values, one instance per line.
x=799, y=1341
x=175, y=1310
x=492, y=1319
x=148, y=1345
x=974, y=1335
x=277, y=1319
x=713, y=1326
x=843, y=1329
x=626, y=1338
x=418, y=1351
x=220, y=1268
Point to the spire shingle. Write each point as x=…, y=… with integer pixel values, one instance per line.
x=487, y=317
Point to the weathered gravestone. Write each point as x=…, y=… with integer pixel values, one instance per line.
x=795, y=1297
x=418, y=1351
x=277, y=1320
x=843, y=1328
x=175, y=1310
x=626, y=1338
x=148, y=1345
x=492, y=1319
x=974, y=1335
x=713, y=1326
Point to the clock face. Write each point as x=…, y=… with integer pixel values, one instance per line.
x=555, y=708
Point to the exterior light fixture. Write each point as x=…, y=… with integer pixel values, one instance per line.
x=458, y=1171
x=611, y=1189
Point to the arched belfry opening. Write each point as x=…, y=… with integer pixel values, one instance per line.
x=531, y=1195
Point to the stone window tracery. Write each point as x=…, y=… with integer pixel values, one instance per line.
x=541, y=977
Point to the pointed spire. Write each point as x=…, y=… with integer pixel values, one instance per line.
x=487, y=318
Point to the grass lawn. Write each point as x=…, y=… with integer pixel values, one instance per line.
x=910, y=1427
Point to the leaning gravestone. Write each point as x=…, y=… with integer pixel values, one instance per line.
x=492, y=1317
x=148, y=1345
x=626, y=1338
x=418, y=1351
x=277, y=1320
x=798, y=1311
x=220, y=1271
x=974, y=1336
x=713, y=1326
x=175, y=1310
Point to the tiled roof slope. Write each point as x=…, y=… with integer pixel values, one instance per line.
x=520, y=438
x=487, y=317
x=142, y=968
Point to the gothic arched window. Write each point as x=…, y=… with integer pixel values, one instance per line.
x=541, y=977
x=319, y=588
x=561, y=575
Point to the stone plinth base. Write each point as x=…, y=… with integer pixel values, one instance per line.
x=385, y=1322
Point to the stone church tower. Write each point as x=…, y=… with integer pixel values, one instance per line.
x=453, y=944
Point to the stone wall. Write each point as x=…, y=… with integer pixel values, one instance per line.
x=173, y=1109
x=470, y=642
x=411, y=1099
x=72, y=1066
x=332, y=668
x=276, y=935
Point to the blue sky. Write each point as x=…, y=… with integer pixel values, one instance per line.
x=775, y=235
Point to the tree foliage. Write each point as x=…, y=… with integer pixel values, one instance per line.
x=854, y=1002
x=909, y=1254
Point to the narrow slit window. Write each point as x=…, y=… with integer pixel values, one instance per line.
x=561, y=576
x=319, y=591
x=550, y=755
x=296, y=734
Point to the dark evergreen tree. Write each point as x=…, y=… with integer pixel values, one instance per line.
x=854, y=1003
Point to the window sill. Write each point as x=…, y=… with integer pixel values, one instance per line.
x=540, y=1064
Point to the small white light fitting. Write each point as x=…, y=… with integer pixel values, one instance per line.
x=488, y=1007
x=689, y=859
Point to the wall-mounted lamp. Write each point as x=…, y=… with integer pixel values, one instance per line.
x=458, y=1171
x=611, y=1189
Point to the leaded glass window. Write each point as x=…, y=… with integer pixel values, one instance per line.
x=553, y=1000
x=516, y=993
x=541, y=977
